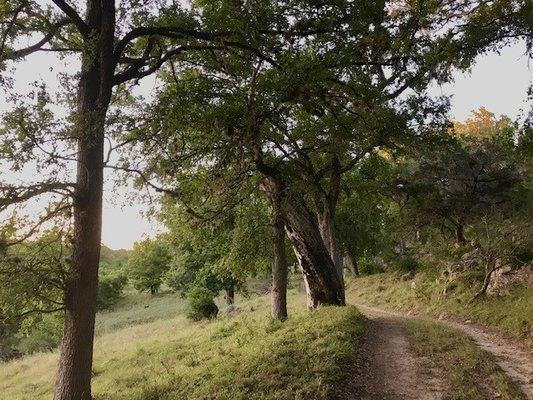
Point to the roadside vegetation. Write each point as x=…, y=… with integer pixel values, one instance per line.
x=511, y=314
x=470, y=373
x=248, y=356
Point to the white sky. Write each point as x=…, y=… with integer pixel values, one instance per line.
x=497, y=82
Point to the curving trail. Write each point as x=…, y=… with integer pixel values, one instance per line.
x=513, y=358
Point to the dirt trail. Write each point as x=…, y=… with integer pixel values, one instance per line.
x=515, y=360
x=388, y=369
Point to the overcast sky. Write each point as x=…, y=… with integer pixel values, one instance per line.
x=497, y=82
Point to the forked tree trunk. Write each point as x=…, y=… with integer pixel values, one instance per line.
x=279, y=268
x=75, y=362
x=301, y=226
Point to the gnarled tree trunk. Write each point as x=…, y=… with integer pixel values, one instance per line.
x=327, y=231
x=301, y=226
x=94, y=93
x=280, y=267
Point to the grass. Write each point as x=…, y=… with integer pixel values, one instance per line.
x=470, y=372
x=511, y=314
x=139, y=308
x=244, y=357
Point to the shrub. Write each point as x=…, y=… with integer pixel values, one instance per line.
x=43, y=335
x=110, y=287
x=201, y=304
x=367, y=267
x=406, y=264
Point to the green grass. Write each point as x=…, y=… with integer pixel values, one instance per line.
x=470, y=372
x=139, y=308
x=244, y=357
x=511, y=314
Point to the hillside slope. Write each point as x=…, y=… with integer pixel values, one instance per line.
x=243, y=357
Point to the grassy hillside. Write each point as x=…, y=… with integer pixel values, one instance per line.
x=512, y=314
x=243, y=357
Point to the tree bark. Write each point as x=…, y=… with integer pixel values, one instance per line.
x=351, y=264
x=460, y=234
x=320, y=274
x=94, y=93
x=327, y=231
x=230, y=295
x=280, y=267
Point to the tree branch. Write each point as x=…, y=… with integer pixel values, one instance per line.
x=74, y=17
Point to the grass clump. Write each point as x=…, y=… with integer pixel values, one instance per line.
x=470, y=372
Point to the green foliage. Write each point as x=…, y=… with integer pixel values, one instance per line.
x=113, y=258
x=406, y=264
x=221, y=253
x=364, y=217
x=454, y=183
x=44, y=334
x=369, y=267
x=110, y=287
x=200, y=304
x=147, y=265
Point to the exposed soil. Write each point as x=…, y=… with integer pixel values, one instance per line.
x=387, y=368
x=514, y=359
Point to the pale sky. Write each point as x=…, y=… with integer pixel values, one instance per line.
x=497, y=82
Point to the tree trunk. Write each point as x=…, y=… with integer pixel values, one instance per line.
x=230, y=295
x=327, y=231
x=460, y=234
x=301, y=226
x=351, y=264
x=279, y=268
x=94, y=93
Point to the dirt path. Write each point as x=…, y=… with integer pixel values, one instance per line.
x=515, y=360
x=388, y=369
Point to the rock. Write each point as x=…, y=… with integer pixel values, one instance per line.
x=407, y=276
x=232, y=310
x=413, y=285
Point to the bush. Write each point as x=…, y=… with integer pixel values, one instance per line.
x=200, y=304
x=110, y=287
x=43, y=335
x=406, y=264
x=367, y=267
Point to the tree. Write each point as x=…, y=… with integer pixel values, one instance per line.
x=219, y=253
x=365, y=216
x=348, y=78
x=148, y=264
x=452, y=184
x=114, y=45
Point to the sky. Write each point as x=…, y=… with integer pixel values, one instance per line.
x=496, y=82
